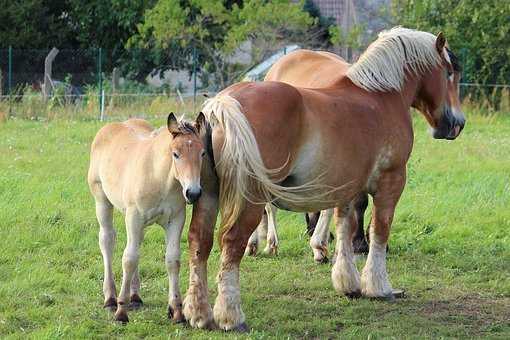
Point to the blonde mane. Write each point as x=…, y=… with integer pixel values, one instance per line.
x=383, y=66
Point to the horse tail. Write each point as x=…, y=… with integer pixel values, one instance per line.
x=243, y=175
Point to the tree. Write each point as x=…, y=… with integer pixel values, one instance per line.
x=477, y=31
x=215, y=29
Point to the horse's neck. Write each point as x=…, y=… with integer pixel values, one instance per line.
x=161, y=158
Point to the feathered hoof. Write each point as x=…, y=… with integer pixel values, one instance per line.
x=353, y=295
x=271, y=250
x=241, y=328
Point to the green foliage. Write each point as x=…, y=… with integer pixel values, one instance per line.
x=477, y=31
x=217, y=28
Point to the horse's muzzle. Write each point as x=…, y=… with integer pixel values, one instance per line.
x=192, y=195
x=450, y=126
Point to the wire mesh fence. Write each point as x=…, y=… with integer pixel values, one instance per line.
x=98, y=83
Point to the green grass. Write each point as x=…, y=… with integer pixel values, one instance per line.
x=449, y=249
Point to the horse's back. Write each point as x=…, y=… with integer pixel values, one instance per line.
x=306, y=68
x=114, y=145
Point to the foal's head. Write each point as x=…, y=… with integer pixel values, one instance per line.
x=438, y=96
x=187, y=148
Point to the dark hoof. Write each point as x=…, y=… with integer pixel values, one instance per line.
x=242, y=328
x=136, y=302
x=121, y=317
x=176, y=315
x=111, y=304
x=360, y=246
x=324, y=260
x=353, y=295
x=395, y=294
x=399, y=293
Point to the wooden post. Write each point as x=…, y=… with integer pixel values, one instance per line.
x=48, y=62
x=115, y=85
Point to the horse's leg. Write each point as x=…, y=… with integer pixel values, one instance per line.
x=197, y=310
x=320, y=237
x=359, y=242
x=227, y=309
x=311, y=219
x=259, y=234
x=344, y=275
x=173, y=232
x=374, y=280
x=136, y=300
x=134, y=231
x=107, y=236
x=272, y=236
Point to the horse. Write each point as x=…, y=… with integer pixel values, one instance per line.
x=315, y=69
x=149, y=175
x=307, y=149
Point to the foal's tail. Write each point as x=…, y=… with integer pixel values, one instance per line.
x=242, y=173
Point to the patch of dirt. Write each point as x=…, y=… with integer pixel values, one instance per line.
x=480, y=313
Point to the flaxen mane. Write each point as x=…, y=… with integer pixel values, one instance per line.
x=383, y=65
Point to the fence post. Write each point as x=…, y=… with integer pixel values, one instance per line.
x=115, y=85
x=100, y=80
x=48, y=62
x=9, y=75
x=194, y=77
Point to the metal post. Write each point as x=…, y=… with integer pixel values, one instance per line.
x=48, y=82
x=285, y=50
x=194, y=77
x=9, y=77
x=99, y=78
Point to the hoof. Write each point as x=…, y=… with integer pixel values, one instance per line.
x=111, y=304
x=136, y=302
x=251, y=250
x=271, y=250
x=122, y=317
x=360, y=246
x=242, y=328
x=395, y=294
x=323, y=260
x=175, y=315
x=353, y=295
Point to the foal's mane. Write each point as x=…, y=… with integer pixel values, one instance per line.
x=185, y=128
x=382, y=67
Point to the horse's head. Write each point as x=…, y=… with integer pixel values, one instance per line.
x=188, y=150
x=438, y=94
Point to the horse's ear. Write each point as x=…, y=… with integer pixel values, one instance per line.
x=440, y=42
x=172, y=125
x=200, y=124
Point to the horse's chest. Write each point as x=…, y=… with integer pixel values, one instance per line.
x=162, y=210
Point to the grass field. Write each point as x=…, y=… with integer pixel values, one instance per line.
x=449, y=249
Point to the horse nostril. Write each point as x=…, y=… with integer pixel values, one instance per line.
x=193, y=195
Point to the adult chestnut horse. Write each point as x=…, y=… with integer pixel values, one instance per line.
x=312, y=69
x=314, y=149
x=148, y=175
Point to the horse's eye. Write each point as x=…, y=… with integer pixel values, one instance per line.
x=202, y=154
x=176, y=155
x=449, y=73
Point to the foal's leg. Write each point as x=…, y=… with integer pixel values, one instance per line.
x=320, y=237
x=227, y=309
x=136, y=300
x=197, y=310
x=107, y=236
x=344, y=275
x=272, y=236
x=134, y=228
x=173, y=231
x=259, y=234
x=374, y=280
